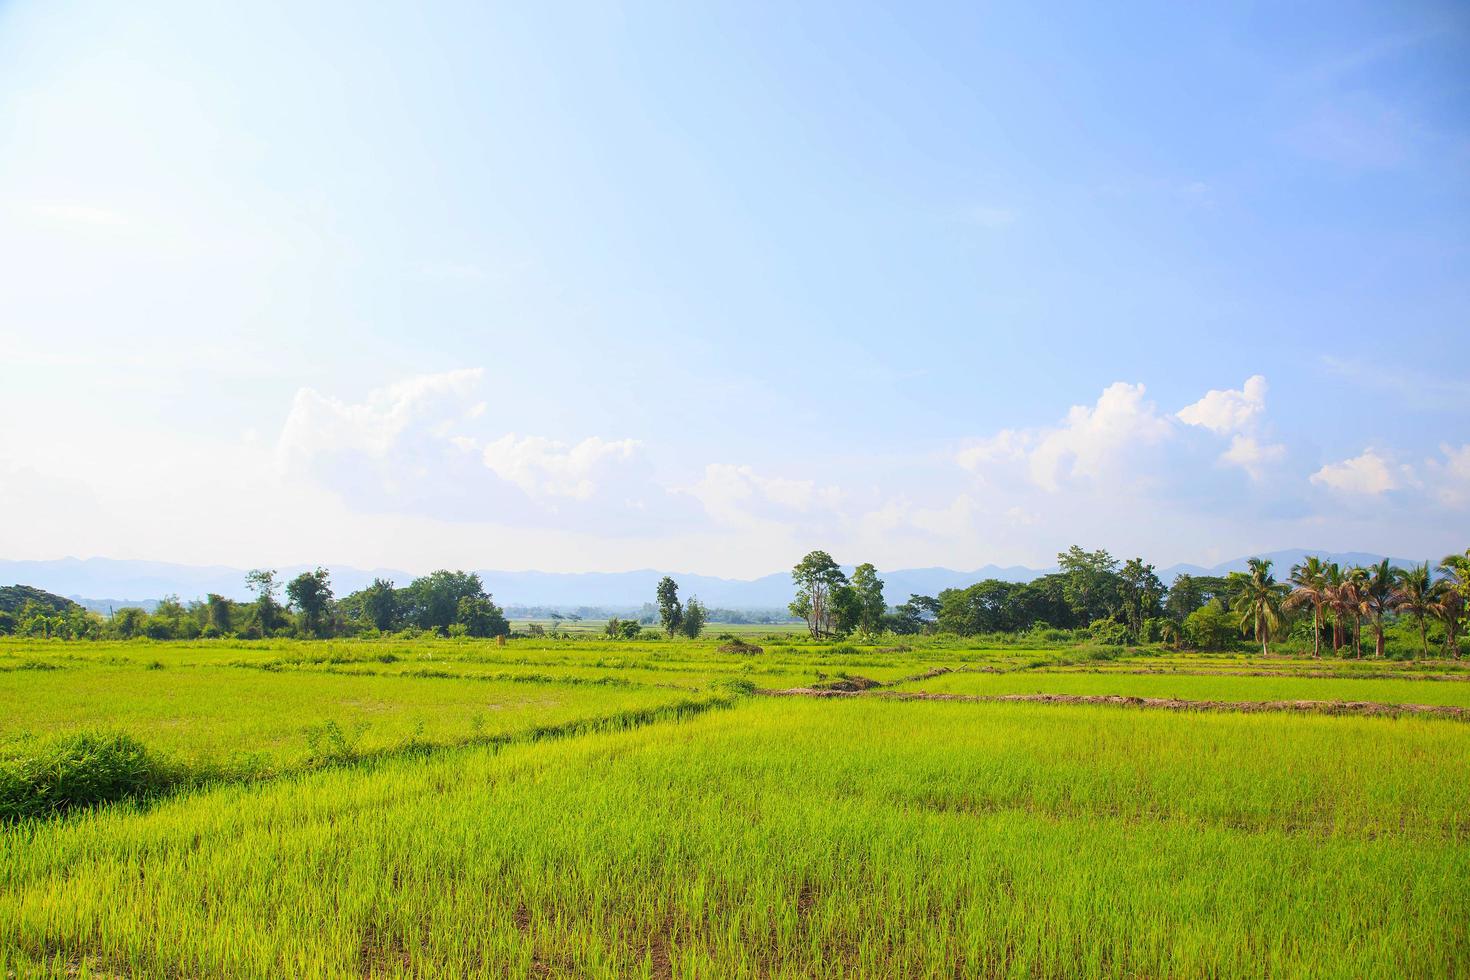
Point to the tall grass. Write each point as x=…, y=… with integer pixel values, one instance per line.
x=792, y=839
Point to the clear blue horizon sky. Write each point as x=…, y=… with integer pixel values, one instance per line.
x=595, y=287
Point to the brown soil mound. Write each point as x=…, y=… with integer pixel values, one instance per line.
x=740, y=647
x=846, y=685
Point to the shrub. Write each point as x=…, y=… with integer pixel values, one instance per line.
x=40, y=777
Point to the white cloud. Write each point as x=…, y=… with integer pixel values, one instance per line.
x=1226, y=411
x=1005, y=445
x=1252, y=455
x=1369, y=474
x=320, y=424
x=546, y=468
x=738, y=494
x=1450, y=478
x=1093, y=441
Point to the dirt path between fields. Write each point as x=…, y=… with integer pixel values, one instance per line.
x=1369, y=708
x=1382, y=675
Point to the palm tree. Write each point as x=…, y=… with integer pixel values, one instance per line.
x=1258, y=601
x=1456, y=597
x=1351, y=591
x=1332, y=592
x=1378, y=595
x=1418, y=592
x=1310, y=580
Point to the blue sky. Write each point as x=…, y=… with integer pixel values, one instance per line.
x=702, y=287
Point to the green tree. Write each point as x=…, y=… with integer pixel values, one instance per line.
x=218, y=613
x=614, y=628
x=1209, y=627
x=1377, y=595
x=1417, y=593
x=868, y=590
x=631, y=629
x=432, y=601
x=670, y=613
x=915, y=616
x=1309, y=588
x=1456, y=602
x=480, y=617
x=694, y=618
x=1091, y=585
x=379, y=604
x=311, y=594
x=816, y=576
x=1257, y=602
x=129, y=622
x=1140, y=593
x=262, y=581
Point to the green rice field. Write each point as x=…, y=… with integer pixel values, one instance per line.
x=590, y=808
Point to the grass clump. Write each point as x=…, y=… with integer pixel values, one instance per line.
x=48, y=776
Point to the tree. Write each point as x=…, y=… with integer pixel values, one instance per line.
x=815, y=577
x=868, y=590
x=1377, y=596
x=1190, y=592
x=692, y=623
x=1091, y=582
x=614, y=628
x=632, y=629
x=846, y=609
x=670, y=613
x=1209, y=627
x=1418, y=593
x=480, y=617
x=311, y=594
x=262, y=581
x=130, y=621
x=217, y=613
x=1141, y=593
x=1309, y=581
x=432, y=602
x=1456, y=601
x=379, y=604
x=915, y=616
x=1258, y=602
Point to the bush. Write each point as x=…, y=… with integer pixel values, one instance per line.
x=41, y=777
x=1109, y=632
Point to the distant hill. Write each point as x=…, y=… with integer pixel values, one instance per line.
x=13, y=597
x=145, y=582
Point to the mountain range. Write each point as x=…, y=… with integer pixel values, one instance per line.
x=90, y=581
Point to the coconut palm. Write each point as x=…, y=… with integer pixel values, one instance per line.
x=1332, y=579
x=1452, y=604
x=1351, y=594
x=1258, y=601
x=1309, y=581
x=1377, y=595
x=1418, y=593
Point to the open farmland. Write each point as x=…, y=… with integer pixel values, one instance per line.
x=580, y=807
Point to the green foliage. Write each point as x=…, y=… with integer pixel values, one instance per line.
x=693, y=620
x=1210, y=627
x=816, y=577
x=311, y=594
x=40, y=777
x=670, y=613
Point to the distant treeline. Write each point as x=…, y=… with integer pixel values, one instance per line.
x=1093, y=596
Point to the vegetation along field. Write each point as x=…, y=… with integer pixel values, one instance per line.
x=910, y=796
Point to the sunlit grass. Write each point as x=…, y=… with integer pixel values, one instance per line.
x=793, y=838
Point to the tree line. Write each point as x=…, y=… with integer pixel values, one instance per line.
x=448, y=603
x=1095, y=596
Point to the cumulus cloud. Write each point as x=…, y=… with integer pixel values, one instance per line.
x=1369, y=474
x=320, y=424
x=1450, y=477
x=546, y=468
x=738, y=494
x=1251, y=455
x=1224, y=411
x=420, y=446
x=1094, y=440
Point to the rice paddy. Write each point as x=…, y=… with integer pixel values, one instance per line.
x=581, y=808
